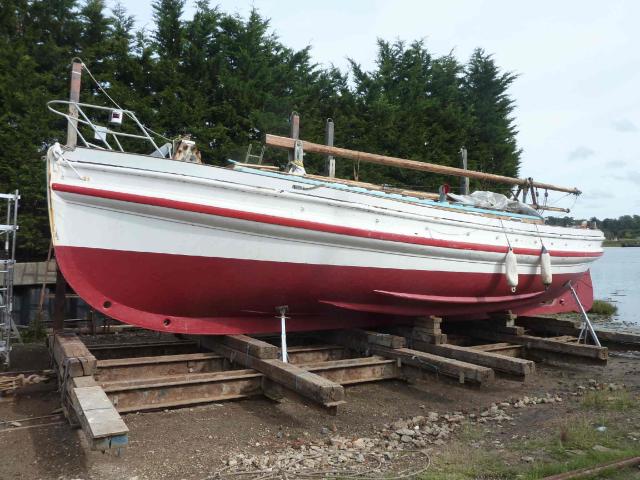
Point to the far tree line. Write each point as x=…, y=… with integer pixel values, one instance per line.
x=621, y=228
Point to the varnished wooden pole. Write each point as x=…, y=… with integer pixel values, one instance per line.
x=61, y=295
x=74, y=97
x=288, y=143
x=330, y=166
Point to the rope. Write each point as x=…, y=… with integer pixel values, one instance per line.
x=504, y=230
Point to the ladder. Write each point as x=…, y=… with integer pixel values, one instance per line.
x=8, y=231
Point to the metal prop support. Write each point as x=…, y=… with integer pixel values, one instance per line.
x=283, y=331
x=586, y=325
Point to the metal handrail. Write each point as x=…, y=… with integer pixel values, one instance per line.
x=101, y=131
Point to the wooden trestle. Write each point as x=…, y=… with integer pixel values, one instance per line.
x=100, y=382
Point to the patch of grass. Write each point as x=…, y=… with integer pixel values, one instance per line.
x=572, y=447
x=602, y=307
x=618, y=400
x=463, y=462
x=569, y=448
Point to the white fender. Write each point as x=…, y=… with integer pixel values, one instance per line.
x=545, y=267
x=511, y=269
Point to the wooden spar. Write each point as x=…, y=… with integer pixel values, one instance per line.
x=295, y=132
x=464, y=181
x=74, y=97
x=288, y=143
x=330, y=162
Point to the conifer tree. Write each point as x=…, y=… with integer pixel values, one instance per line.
x=228, y=80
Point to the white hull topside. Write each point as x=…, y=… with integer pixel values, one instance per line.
x=295, y=242
x=96, y=222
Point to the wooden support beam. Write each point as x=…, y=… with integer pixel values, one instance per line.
x=506, y=318
x=289, y=143
x=500, y=363
x=169, y=391
x=503, y=348
x=252, y=346
x=138, y=394
x=621, y=338
x=495, y=326
x=105, y=351
x=598, y=354
x=572, y=327
x=429, y=324
x=542, y=323
x=350, y=371
x=375, y=338
x=306, y=384
x=422, y=360
x=71, y=356
x=100, y=422
x=417, y=333
x=463, y=371
x=316, y=353
x=60, y=299
x=157, y=366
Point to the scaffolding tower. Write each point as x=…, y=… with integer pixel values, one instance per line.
x=8, y=232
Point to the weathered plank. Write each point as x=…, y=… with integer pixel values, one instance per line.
x=375, y=338
x=99, y=420
x=350, y=371
x=501, y=363
x=506, y=318
x=599, y=354
x=572, y=327
x=622, y=338
x=72, y=356
x=316, y=353
x=411, y=333
x=184, y=389
x=434, y=363
x=149, y=367
x=503, y=348
x=307, y=384
x=105, y=351
x=461, y=370
x=430, y=325
x=252, y=346
x=537, y=323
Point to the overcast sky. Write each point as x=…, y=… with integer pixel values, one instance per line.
x=578, y=94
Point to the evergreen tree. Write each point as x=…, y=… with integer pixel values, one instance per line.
x=492, y=139
x=228, y=80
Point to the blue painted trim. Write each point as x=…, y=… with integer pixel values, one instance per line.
x=394, y=196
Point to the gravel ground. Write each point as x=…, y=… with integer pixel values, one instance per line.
x=385, y=428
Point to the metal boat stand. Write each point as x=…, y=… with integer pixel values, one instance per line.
x=586, y=324
x=282, y=310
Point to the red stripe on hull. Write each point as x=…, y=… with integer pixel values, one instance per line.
x=304, y=224
x=202, y=295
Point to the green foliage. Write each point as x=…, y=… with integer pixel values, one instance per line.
x=602, y=307
x=227, y=81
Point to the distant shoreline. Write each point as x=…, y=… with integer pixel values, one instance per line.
x=621, y=243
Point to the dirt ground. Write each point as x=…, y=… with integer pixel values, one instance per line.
x=196, y=443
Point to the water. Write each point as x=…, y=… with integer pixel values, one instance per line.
x=616, y=278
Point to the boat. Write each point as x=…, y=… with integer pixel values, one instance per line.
x=167, y=243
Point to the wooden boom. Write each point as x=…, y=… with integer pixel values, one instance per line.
x=288, y=143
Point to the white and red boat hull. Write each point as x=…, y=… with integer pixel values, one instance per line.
x=191, y=248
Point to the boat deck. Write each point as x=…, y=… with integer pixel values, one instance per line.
x=388, y=195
